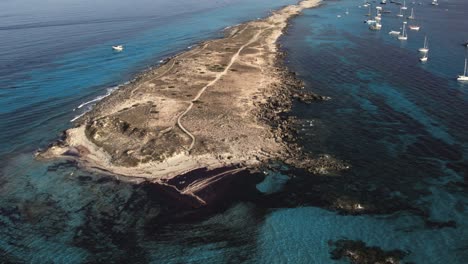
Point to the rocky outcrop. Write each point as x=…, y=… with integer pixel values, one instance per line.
x=357, y=252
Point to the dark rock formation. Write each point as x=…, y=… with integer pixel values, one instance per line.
x=358, y=252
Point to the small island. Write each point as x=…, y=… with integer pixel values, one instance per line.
x=215, y=106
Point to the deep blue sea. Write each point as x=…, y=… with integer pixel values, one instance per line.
x=400, y=124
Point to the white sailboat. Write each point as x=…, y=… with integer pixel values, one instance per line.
x=403, y=35
x=394, y=32
x=464, y=77
x=404, y=6
x=424, y=49
x=401, y=13
x=414, y=27
x=412, y=14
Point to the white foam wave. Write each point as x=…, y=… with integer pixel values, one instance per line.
x=90, y=103
x=78, y=116
x=99, y=98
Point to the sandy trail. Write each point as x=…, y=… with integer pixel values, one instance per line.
x=219, y=76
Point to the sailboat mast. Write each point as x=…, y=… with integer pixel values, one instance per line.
x=466, y=60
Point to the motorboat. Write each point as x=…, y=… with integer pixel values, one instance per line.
x=424, y=58
x=118, y=48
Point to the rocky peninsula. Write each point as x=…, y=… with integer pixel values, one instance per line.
x=218, y=105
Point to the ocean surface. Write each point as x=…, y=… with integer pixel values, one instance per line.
x=399, y=123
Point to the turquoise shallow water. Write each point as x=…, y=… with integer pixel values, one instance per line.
x=400, y=124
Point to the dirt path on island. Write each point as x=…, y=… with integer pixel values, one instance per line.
x=202, y=90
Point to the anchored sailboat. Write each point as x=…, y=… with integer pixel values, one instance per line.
x=404, y=6
x=464, y=77
x=424, y=49
x=370, y=12
x=403, y=35
x=401, y=13
x=412, y=14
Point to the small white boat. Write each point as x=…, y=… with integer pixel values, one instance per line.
x=375, y=26
x=383, y=2
x=464, y=77
x=117, y=48
x=424, y=58
x=412, y=14
x=435, y=3
x=338, y=16
x=414, y=27
x=403, y=35
x=404, y=6
x=347, y=11
x=370, y=21
x=378, y=18
x=393, y=32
